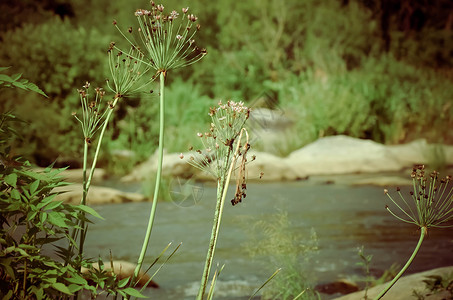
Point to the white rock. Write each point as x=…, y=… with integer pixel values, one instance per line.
x=172, y=165
x=333, y=155
x=96, y=195
x=342, y=155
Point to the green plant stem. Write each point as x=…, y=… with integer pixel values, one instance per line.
x=158, y=178
x=87, y=181
x=98, y=148
x=423, y=231
x=222, y=189
x=214, y=236
x=84, y=185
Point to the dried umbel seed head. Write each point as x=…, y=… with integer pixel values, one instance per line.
x=94, y=112
x=433, y=200
x=162, y=53
x=225, y=143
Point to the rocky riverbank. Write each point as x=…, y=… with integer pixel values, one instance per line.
x=332, y=155
x=348, y=160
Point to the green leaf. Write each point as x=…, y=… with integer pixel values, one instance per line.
x=53, y=205
x=5, y=78
x=39, y=293
x=11, y=179
x=6, y=263
x=61, y=287
x=45, y=201
x=16, y=77
x=8, y=296
x=19, y=85
x=133, y=292
x=43, y=217
x=16, y=205
x=34, y=88
x=74, y=288
x=4, y=68
x=77, y=280
x=123, y=282
x=34, y=186
x=31, y=215
x=15, y=194
x=56, y=219
x=89, y=210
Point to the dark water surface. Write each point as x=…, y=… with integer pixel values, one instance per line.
x=344, y=218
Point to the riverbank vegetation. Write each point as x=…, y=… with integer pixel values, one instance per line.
x=370, y=69
x=376, y=70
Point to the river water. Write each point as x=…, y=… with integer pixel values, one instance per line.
x=344, y=218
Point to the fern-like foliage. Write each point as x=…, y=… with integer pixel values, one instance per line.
x=16, y=81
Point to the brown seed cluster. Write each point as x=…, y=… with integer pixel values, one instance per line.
x=225, y=146
x=432, y=197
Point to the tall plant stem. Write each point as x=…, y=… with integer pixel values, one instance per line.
x=423, y=231
x=158, y=177
x=222, y=189
x=98, y=148
x=87, y=181
x=87, y=184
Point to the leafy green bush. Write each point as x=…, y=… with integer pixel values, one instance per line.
x=334, y=77
x=187, y=111
x=56, y=55
x=281, y=39
x=59, y=65
x=30, y=224
x=32, y=221
x=385, y=100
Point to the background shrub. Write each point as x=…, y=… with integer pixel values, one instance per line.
x=59, y=58
x=369, y=69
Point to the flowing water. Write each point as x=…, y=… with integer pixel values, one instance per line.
x=344, y=218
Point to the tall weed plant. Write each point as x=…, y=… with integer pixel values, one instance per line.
x=288, y=250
